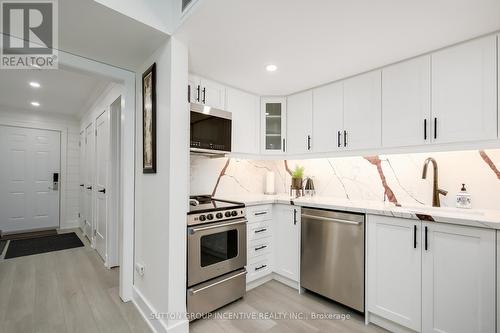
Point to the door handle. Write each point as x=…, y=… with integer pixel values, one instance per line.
x=425, y=243
x=329, y=219
x=414, y=236
x=193, y=292
x=89, y=187
x=82, y=185
x=102, y=191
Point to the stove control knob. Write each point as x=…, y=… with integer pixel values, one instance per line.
x=202, y=218
x=234, y=213
x=228, y=214
x=218, y=215
x=210, y=216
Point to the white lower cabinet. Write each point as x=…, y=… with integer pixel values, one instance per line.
x=430, y=277
x=259, y=242
x=458, y=279
x=394, y=266
x=287, y=241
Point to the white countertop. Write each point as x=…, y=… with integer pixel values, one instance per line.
x=469, y=217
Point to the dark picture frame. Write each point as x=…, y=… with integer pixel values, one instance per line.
x=149, y=120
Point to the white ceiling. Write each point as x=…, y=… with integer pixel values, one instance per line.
x=94, y=31
x=317, y=41
x=61, y=92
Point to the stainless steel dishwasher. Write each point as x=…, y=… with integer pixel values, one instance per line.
x=332, y=255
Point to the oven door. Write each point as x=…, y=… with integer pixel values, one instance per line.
x=216, y=249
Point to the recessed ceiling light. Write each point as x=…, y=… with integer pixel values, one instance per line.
x=35, y=84
x=35, y=104
x=271, y=68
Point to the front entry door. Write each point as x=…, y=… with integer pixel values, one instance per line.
x=102, y=162
x=29, y=179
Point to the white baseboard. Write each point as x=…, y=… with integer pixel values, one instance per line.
x=286, y=281
x=156, y=325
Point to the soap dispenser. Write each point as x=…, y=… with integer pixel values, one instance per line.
x=463, y=198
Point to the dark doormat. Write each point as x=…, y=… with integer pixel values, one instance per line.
x=29, y=234
x=26, y=247
x=2, y=246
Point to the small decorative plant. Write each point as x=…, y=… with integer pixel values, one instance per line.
x=297, y=175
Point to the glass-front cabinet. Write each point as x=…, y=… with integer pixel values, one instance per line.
x=273, y=127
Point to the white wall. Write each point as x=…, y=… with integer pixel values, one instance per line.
x=69, y=158
x=161, y=198
x=103, y=101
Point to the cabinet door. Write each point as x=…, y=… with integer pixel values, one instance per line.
x=362, y=111
x=464, y=92
x=328, y=117
x=287, y=241
x=458, y=279
x=394, y=270
x=213, y=94
x=273, y=124
x=406, y=103
x=299, y=122
x=244, y=108
x=194, y=89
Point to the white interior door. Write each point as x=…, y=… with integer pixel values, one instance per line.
x=102, y=163
x=81, y=210
x=89, y=181
x=28, y=198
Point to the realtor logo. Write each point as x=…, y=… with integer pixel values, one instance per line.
x=29, y=34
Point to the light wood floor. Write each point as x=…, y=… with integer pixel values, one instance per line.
x=275, y=297
x=64, y=291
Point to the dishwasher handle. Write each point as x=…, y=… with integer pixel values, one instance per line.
x=329, y=219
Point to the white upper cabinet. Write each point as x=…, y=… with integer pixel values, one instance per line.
x=206, y=92
x=394, y=270
x=244, y=108
x=458, y=279
x=464, y=94
x=273, y=125
x=299, y=122
x=406, y=103
x=362, y=111
x=328, y=117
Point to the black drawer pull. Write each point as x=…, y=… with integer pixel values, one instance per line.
x=425, y=243
x=260, y=267
x=338, y=139
x=414, y=236
x=260, y=230
x=260, y=213
x=260, y=248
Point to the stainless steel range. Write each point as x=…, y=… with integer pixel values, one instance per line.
x=216, y=238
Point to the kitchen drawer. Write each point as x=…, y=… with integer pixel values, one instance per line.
x=259, y=213
x=259, y=267
x=258, y=230
x=259, y=247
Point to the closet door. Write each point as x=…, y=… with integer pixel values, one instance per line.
x=102, y=168
x=89, y=182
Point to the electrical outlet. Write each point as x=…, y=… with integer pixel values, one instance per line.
x=139, y=269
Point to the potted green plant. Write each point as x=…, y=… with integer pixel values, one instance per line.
x=297, y=176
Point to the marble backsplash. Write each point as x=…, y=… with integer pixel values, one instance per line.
x=397, y=178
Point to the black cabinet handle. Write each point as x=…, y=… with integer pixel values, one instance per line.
x=284, y=149
x=198, y=93
x=414, y=236
x=189, y=93
x=260, y=248
x=260, y=267
x=425, y=242
x=204, y=95
x=294, y=217
x=435, y=128
x=89, y=188
x=308, y=142
x=345, y=138
x=260, y=230
x=260, y=213
x=102, y=191
x=425, y=129
x=338, y=139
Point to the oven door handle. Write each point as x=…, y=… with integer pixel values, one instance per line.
x=194, y=292
x=194, y=230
